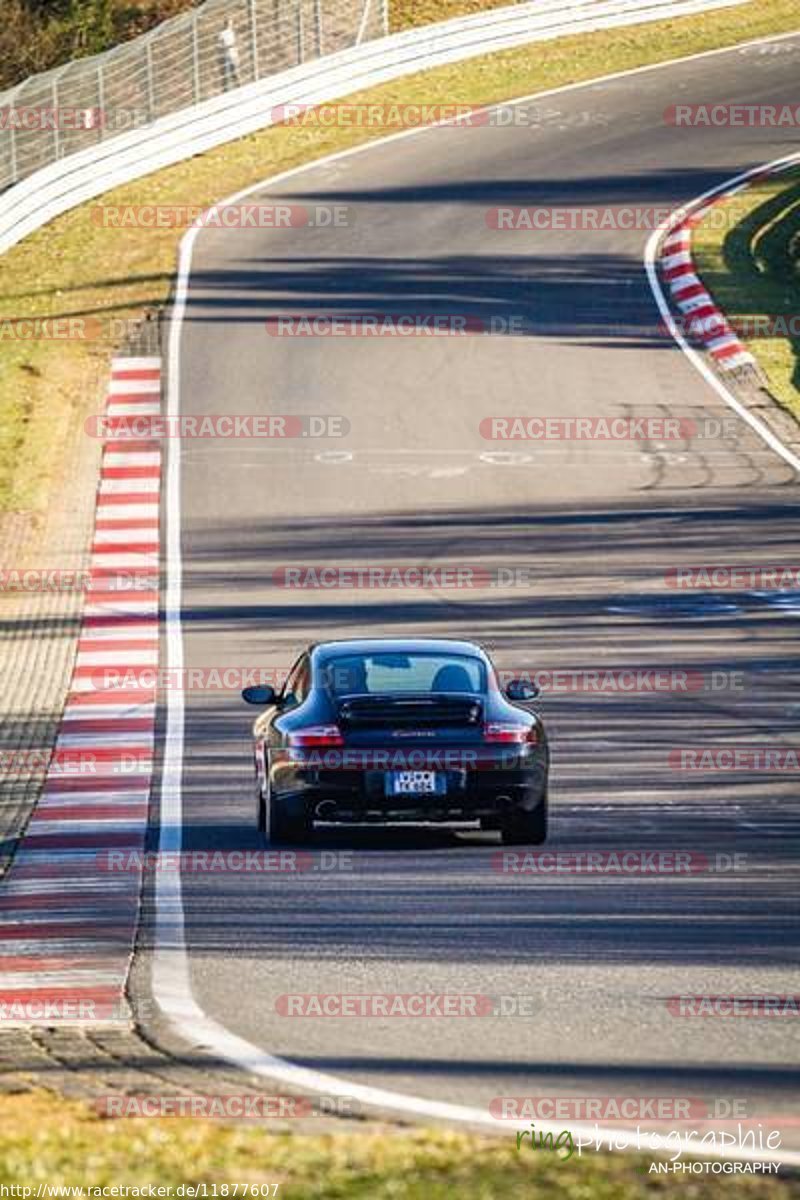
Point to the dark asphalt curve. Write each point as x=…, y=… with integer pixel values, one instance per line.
x=581, y=966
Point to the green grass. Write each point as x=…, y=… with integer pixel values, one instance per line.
x=751, y=265
x=405, y=14
x=47, y=1139
x=73, y=266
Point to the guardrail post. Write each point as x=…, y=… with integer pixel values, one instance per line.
x=251, y=4
x=56, y=139
x=148, y=55
x=195, y=63
x=362, y=29
x=101, y=101
x=318, y=23
x=13, y=162
x=12, y=156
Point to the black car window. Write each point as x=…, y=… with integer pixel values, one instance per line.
x=395, y=673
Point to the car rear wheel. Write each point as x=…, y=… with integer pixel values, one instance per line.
x=275, y=823
x=526, y=828
x=287, y=827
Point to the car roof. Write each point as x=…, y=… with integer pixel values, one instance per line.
x=397, y=646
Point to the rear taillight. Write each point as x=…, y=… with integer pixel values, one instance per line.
x=317, y=736
x=518, y=735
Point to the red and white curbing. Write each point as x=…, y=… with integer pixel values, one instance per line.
x=67, y=926
x=701, y=314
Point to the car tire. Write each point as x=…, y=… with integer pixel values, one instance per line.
x=526, y=828
x=287, y=827
x=274, y=823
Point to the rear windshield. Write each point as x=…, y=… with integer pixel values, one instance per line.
x=392, y=674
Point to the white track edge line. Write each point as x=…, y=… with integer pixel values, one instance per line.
x=651, y=256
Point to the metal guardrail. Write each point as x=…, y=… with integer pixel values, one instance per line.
x=89, y=172
x=214, y=48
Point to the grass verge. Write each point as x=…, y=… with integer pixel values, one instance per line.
x=58, y=1142
x=407, y=14
x=751, y=265
x=76, y=267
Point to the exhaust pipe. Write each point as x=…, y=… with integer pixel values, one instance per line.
x=325, y=810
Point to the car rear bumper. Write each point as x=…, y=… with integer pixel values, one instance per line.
x=362, y=798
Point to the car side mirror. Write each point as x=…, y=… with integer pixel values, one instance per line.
x=521, y=689
x=261, y=694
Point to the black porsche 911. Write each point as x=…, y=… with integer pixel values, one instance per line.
x=390, y=730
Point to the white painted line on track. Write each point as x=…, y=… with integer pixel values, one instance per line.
x=728, y=188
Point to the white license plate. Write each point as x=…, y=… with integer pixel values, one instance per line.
x=412, y=783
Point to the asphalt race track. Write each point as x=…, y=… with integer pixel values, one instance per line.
x=584, y=964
